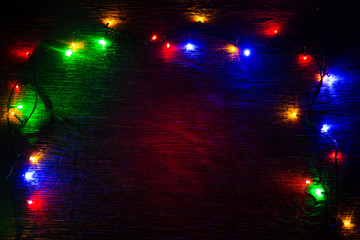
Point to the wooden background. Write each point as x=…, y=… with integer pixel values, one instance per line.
x=143, y=142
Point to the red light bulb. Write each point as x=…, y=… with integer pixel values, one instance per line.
x=275, y=31
x=154, y=37
x=308, y=181
x=167, y=45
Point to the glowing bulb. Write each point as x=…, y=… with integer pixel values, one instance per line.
x=304, y=57
x=247, y=52
x=102, y=42
x=190, y=47
x=319, y=192
x=347, y=223
x=29, y=176
x=167, y=45
x=154, y=38
x=68, y=52
x=17, y=86
x=275, y=32
x=292, y=114
x=20, y=107
x=33, y=159
x=325, y=128
x=30, y=202
x=308, y=181
x=232, y=49
x=200, y=19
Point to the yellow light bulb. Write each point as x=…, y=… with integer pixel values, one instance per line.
x=347, y=224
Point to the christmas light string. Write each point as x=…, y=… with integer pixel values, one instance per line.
x=198, y=28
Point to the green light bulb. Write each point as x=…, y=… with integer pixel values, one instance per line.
x=102, y=42
x=19, y=106
x=68, y=52
x=317, y=191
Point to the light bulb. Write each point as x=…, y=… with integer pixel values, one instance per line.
x=325, y=128
x=68, y=52
x=247, y=52
x=190, y=47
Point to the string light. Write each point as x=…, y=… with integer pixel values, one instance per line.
x=315, y=189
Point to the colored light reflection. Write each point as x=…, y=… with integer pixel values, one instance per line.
x=200, y=18
x=110, y=22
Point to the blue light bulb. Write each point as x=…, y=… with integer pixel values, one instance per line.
x=247, y=52
x=190, y=47
x=325, y=128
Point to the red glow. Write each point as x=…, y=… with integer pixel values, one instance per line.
x=275, y=31
x=36, y=203
x=22, y=53
x=339, y=157
x=308, y=181
x=304, y=59
x=167, y=45
x=154, y=37
x=15, y=87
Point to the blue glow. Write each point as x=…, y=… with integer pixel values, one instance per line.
x=325, y=128
x=247, y=52
x=329, y=80
x=29, y=175
x=190, y=47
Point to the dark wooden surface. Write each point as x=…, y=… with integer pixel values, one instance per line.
x=146, y=143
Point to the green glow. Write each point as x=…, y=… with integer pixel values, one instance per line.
x=68, y=52
x=20, y=107
x=102, y=42
x=317, y=191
